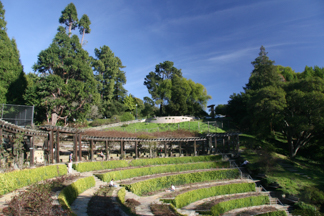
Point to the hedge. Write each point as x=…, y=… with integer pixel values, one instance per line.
x=274, y=213
x=121, y=195
x=11, y=181
x=225, y=206
x=174, y=160
x=71, y=192
x=194, y=195
x=99, y=165
x=155, y=184
x=130, y=173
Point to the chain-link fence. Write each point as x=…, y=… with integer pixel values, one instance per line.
x=20, y=115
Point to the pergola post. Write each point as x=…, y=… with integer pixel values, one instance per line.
x=31, y=151
x=223, y=148
x=107, y=149
x=136, y=149
x=237, y=143
x=165, y=149
x=215, y=143
x=228, y=143
x=210, y=144
x=180, y=149
x=51, y=147
x=0, y=136
x=75, y=149
x=121, y=149
x=57, y=149
x=80, y=147
x=195, y=148
x=91, y=149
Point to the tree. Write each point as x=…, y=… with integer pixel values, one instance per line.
x=12, y=77
x=69, y=17
x=84, y=26
x=68, y=88
x=111, y=79
x=221, y=109
x=159, y=82
x=303, y=117
x=264, y=72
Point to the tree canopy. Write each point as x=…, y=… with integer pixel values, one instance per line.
x=278, y=99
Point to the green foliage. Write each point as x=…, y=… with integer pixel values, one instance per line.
x=160, y=161
x=304, y=209
x=11, y=181
x=121, y=195
x=155, y=184
x=99, y=165
x=71, y=192
x=274, y=213
x=130, y=173
x=313, y=196
x=225, y=206
x=12, y=77
x=186, y=198
x=127, y=117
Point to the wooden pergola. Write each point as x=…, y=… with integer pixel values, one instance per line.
x=209, y=142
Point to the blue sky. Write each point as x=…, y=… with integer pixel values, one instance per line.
x=213, y=42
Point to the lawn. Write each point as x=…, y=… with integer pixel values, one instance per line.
x=199, y=126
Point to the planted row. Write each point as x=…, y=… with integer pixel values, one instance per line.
x=11, y=181
x=102, y=165
x=226, y=206
x=174, y=160
x=155, y=184
x=71, y=192
x=130, y=173
x=194, y=195
x=99, y=165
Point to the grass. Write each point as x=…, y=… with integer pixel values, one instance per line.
x=293, y=175
x=199, y=126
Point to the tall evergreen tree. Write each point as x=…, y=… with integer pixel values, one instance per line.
x=84, y=26
x=67, y=88
x=111, y=79
x=69, y=17
x=11, y=70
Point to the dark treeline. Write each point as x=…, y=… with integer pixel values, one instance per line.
x=70, y=85
x=278, y=102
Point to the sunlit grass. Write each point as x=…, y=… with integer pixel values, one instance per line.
x=199, y=126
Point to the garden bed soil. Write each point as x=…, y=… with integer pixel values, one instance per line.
x=162, y=210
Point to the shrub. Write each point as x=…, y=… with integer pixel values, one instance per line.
x=127, y=117
x=71, y=192
x=99, y=165
x=130, y=173
x=121, y=195
x=160, y=161
x=274, y=213
x=11, y=181
x=191, y=196
x=225, y=206
x=155, y=184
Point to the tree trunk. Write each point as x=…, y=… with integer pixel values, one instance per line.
x=70, y=29
x=82, y=36
x=54, y=119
